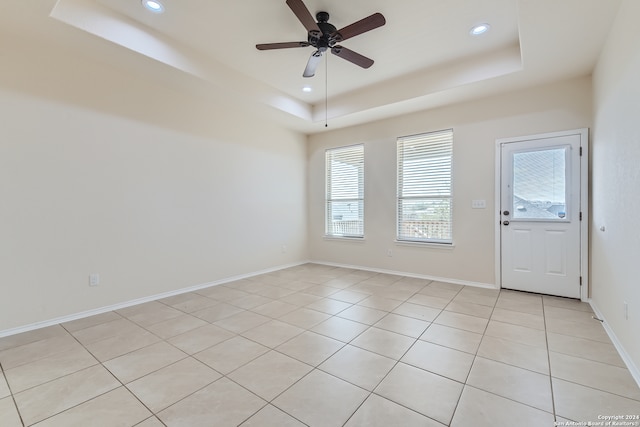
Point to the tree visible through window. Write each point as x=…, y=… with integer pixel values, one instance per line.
x=345, y=191
x=424, y=187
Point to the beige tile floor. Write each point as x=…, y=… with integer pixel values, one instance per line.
x=320, y=346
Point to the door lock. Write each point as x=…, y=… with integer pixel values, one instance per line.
x=505, y=222
x=506, y=213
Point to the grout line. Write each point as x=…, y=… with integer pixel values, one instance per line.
x=57, y=378
x=546, y=340
x=11, y=394
x=362, y=281
x=598, y=389
x=317, y=368
x=357, y=408
x=397, y=361
x=475, y=356
x=101, y=363
x=509, y=399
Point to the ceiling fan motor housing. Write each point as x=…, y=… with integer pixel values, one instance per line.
x=324, y=41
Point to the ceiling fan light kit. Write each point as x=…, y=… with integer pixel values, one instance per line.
x=324, y=36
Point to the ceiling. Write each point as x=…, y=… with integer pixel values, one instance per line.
x=424, y=55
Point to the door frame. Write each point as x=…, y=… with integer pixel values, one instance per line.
x=584, y=202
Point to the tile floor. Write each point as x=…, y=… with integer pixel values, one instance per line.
x=320, y=346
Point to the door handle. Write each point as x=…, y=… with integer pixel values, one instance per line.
x=505, y=222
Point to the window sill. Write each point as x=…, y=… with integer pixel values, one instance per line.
x=344, y=239
x=443, y=246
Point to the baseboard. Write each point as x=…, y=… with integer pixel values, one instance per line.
x=417, y=276
x=118, y=306
x=635, y=372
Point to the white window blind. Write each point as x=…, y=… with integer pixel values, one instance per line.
x=424, y=187
x=345, y=191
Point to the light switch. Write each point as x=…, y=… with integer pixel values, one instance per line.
x=478, y=204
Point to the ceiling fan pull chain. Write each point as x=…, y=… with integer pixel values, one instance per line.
x=326, y=91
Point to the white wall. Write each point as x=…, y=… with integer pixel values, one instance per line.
x=476, y=125
x=615, y=253
x=156, y=190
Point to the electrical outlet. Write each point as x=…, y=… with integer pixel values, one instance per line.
x=626, y=311
x=94, y=279
x=284, y=249
x=389, y=252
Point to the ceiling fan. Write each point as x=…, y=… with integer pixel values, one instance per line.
x=323, y=36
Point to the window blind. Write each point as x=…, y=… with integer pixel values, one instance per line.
x=345, y=191
x=424, y=187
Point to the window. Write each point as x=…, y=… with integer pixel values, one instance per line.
x=424, y=187
x=345, y=191
x=539, y=184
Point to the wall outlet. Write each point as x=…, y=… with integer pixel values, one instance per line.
x=626, y=311
x=478, y=204
x=284, y=249
x=94, y=279
x=389, y=252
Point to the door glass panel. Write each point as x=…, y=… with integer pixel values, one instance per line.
x=539, y=185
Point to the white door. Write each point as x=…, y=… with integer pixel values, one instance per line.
x=541, y=213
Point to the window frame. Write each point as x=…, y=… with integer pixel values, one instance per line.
x=330, y=196
x=431, y=143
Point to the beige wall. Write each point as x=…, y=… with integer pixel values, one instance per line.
x=477, y=125
x=104, y=171
x=615, y=252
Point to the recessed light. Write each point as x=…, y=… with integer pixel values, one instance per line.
x=153, y=5
x=307, y=89
x=477, y=30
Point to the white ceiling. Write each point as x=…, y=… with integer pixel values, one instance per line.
x=424, y=55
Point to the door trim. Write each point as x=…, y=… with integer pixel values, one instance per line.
x=584, y=202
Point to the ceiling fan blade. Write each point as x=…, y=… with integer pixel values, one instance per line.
x=352, y=56
x=286, y=45
x=315, y=59
x=305, y=17
x=362, y=26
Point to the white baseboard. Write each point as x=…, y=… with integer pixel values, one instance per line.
x=417, y=276
x=633, y=369
x=118, y=306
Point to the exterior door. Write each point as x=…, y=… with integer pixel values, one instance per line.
x=541, y=213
